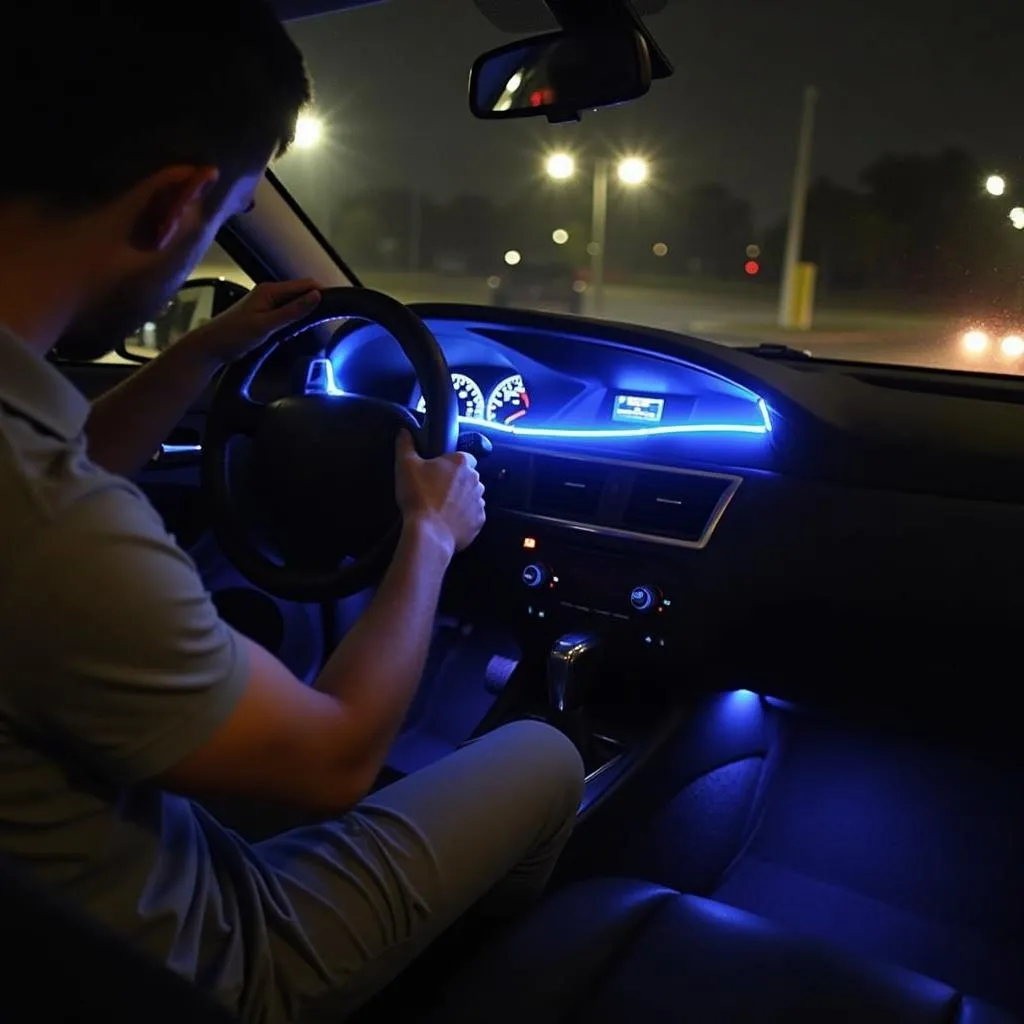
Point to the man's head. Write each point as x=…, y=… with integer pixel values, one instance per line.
x=135, y=128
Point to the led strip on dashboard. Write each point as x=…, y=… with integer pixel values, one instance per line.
x=321, y=380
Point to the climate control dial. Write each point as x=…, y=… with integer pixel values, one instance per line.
x=535, y=575
x=644, y=598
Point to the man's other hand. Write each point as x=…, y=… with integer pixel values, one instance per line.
x=269, y=307
x=444, y=494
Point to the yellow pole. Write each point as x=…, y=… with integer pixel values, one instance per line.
x=800, y=308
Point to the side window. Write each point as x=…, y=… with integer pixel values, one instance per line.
x=198, y=300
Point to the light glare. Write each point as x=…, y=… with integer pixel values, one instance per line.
x=309, y=131
x=633, y=170
x=560, y=166
x=995, y=185
x=1012, y=346
x=975, y=342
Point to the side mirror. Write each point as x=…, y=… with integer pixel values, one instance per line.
x=197, y=302
x=560, y=75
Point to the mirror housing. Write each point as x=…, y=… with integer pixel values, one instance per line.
x=197, y=302
x=559, y=75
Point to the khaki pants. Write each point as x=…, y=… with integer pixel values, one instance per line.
x=361, y=897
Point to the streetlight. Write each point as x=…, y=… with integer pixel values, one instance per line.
x=1017, y=217
x=560, y=166
x=995, y=185
x=631, y=171
x=309, y=131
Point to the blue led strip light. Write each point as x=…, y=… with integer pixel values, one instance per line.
x=321, y=380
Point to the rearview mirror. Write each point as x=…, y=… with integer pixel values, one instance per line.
x=196, y=302
x=560, y=75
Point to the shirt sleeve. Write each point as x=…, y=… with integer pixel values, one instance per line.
x=120, y=654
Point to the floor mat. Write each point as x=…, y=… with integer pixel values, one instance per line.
x=452, y=700
x=910, y=855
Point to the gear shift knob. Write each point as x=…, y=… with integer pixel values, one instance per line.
x=570, y=668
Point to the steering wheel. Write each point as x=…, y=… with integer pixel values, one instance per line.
x=302, y=488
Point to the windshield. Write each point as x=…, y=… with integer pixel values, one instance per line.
x=911, y=249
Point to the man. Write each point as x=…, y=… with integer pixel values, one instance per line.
x=137, y=129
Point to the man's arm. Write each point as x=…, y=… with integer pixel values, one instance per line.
x=122, y=658
x=323, y=748
x=128, y=424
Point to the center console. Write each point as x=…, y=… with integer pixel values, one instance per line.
x=589, y=562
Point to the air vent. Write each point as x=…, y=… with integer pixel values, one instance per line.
x=567, y=488
x=676, y=505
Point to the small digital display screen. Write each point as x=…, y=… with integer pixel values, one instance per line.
x=637, y=409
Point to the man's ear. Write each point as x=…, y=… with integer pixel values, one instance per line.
x=171, y=202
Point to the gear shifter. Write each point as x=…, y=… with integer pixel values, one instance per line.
x=571, y=670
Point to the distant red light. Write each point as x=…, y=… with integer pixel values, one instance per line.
x=752, y=267
x=542, y=98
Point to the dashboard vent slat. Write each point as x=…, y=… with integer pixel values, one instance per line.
x=676, y=505
x=567, y=488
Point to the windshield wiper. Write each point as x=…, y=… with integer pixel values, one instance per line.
x=775, y=350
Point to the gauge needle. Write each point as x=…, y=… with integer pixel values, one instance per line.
x=516, y=415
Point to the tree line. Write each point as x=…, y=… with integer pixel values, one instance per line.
x=917, y=225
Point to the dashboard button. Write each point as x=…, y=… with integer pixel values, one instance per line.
x=643, y=598
x=535, y=575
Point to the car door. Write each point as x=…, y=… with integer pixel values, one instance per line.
x=297, y=634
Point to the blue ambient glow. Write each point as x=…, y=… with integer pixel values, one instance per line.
x=605, y=433
x=321, y=380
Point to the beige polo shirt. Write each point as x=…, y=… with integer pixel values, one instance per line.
x=114, y=665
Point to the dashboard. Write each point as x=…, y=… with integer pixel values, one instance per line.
x=725, y=514
x=553, y=385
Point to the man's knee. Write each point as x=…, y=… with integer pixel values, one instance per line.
x=546, y=759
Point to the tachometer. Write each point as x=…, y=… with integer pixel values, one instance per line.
x=509, y=402
x=469, y=394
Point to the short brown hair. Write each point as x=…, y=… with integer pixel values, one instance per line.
x=96, y=95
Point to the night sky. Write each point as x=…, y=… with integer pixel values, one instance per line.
x=894, y=76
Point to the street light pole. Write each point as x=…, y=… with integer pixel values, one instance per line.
x=598, y=234
x=797, y=212
x=632, y=172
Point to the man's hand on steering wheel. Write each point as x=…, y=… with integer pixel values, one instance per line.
x=444, y=495
x=269, y=307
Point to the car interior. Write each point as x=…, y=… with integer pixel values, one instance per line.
x=770, y=598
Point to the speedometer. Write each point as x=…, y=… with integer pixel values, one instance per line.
x=509, y=402
x=469, y=394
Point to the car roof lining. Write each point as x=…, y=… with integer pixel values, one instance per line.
x=514, y=16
